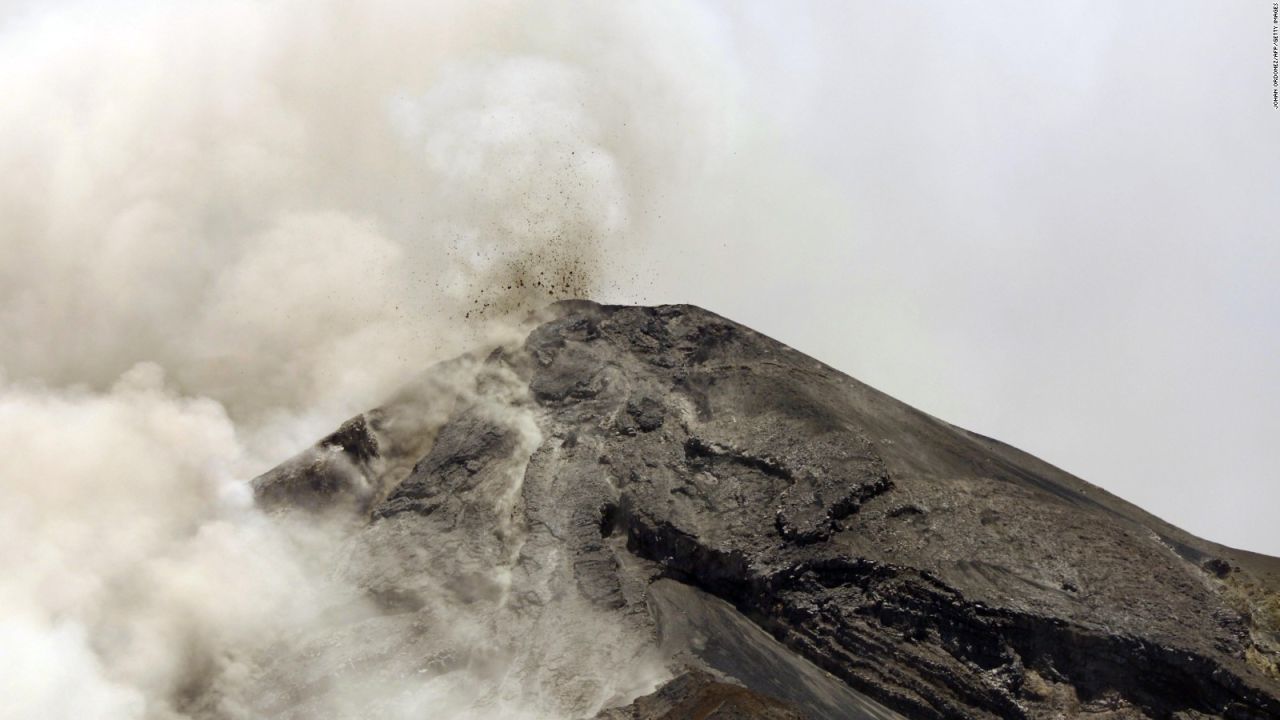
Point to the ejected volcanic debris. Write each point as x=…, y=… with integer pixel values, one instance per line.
x=780, y=539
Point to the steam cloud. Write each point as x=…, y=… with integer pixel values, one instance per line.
x=227, y=226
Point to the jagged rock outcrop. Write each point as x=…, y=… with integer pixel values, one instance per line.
x=738, y=507
x=697, y=695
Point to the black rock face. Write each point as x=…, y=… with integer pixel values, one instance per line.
x=745, y=511
x=699, y=695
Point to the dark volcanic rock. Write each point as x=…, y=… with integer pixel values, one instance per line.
x=765, y=517
x=699, y=696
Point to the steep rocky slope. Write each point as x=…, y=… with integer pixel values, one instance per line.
x=732, y=507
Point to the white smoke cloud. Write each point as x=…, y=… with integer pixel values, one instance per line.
x=224, y=227
x=133, y=555
x=289, y=184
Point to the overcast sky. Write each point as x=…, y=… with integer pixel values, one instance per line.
x=1057, y=224
x=1052, y=223
x=228, y=225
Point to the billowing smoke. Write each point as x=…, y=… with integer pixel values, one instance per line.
x=278, y=201
x=227, y=226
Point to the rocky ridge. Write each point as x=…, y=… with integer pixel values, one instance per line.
x=786, y=541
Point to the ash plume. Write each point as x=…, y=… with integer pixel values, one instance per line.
x=227, y=226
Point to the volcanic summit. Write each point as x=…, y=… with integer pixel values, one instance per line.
x=739, y=531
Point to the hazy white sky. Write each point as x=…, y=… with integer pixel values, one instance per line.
x=228, y=225
x=1051, y=223
x=1057, y=224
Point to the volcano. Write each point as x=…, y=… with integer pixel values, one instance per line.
x=665, y=496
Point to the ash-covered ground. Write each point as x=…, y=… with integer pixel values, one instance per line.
x=640, y=499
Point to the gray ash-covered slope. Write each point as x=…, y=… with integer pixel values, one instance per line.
x=755, y=514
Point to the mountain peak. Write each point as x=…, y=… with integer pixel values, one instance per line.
x=722, y=502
